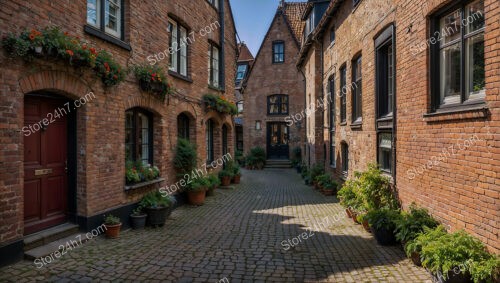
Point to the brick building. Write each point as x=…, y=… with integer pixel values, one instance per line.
x=275, y=88
x=399, y=99
x=243, y=66
x=73, y=170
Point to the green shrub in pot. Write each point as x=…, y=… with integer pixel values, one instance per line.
x=383, y=224
x=413, y=222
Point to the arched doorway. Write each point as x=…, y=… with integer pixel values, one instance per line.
x=225, y=148
x=49, y=161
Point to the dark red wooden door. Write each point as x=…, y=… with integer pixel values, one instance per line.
x=45, y=160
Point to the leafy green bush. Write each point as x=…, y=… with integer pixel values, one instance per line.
x=452, y=251
x=428, y=235
x=213, y=180
x=368, y=190
x=186, y=157
x=199, y=184
x=225, y=173
x=111, y=220
x=487, y=271
x=256, y=158
x=383, y=219
x=240, y=157
x=155, y=200
x=316, y=170
x=413, y=222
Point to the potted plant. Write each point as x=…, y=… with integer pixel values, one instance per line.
x=138, y=218
x=113, y=225
x=451, y=256
x=410, y=225
x=197, y=190
x=487, y=270
x=383, y=223
x=186, y=158
x=329, y=187
x=225, y=178
x=236, y=174
x=214, y=183
x=256, y=159
x=413, y=247
x=158, y=207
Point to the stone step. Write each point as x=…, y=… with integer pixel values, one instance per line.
x=57, y=248
x=278, y=163
x=49, y=235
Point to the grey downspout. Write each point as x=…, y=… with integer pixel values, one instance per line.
x=222, y=46
x=323, y=98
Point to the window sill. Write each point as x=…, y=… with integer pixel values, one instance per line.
x=179, y=76
x=343, y=124
x=143, y=184
x=215, y=88
x=106, y=37
x=463, y=113
x=357, y=125
x=278, y=63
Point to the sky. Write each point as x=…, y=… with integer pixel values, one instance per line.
x=253, y=18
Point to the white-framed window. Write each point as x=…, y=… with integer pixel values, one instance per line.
x=213, y=65
x=111, y=24
x=214, y=3
x=178, y=48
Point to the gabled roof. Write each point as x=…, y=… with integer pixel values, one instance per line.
x=293, y=12
x=319, y=30
x=244, y=53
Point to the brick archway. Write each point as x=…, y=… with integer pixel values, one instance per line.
x=55, y=81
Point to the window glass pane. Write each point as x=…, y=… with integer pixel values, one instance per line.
x=183, y=52
x=129, y=138
x=390, y=78
x=474, y=16
x=143, y=139
x=385, y=151
x=173, y=46
x=93, y=12
x=474, y=66
x=449, y=27
x=450, y=74
x=112, y=16
x=215, y=66
x=241, y=72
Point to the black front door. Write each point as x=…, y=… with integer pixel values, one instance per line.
x=277, y=141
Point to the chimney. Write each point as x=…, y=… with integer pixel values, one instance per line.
x=282, y=4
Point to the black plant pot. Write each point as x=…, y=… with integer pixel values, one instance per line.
x=158, y=216
x=453, y=277
x=384, y=236
x=138, y=221
x=299, y=169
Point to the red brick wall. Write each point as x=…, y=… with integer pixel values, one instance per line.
x=100, y=123
x=267, y=79
x=462, y=191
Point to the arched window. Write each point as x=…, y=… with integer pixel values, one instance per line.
x=183, y=126
x=139, y=136
x=277, y=104
x=210, y=140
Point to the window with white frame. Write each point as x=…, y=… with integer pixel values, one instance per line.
x=113, y=16
x=213, y=65
x=178, y=48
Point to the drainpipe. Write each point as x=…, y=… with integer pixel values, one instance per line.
x=305, y=105
x=222, y=46
x=322, y=92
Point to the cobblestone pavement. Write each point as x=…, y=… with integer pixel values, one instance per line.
x=238, y=236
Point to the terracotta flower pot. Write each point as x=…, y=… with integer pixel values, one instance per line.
x=225, y=181
x=197, y=198
x=236, y=179
x=366, y=226
x=348, y=212
x=113, y=231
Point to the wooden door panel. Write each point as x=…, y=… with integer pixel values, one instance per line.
x=45, y=157
x=32, y=200
x=54, y=195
